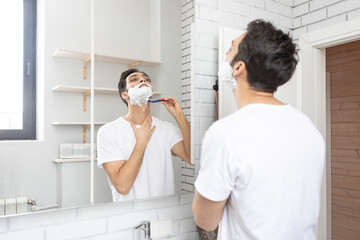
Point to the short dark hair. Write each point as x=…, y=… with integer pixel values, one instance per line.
x=122, y=81
x=269, y=54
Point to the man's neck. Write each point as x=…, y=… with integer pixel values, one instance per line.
x=244, y=95
x=137, y=114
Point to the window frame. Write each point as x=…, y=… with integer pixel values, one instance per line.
x=29, y=78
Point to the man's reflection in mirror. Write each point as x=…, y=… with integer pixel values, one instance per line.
x=135, y=150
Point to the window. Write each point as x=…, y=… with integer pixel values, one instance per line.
x=18, y=70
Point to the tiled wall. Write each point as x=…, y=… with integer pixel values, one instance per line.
x=188, y=12
x=106, y=221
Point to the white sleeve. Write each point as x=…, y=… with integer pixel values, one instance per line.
x=175, y=135
x=216, y=179
x=108, y=149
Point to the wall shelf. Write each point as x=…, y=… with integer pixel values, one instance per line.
x=72, y=160
x=86, y=91
x=86, y=57
x=83, y=124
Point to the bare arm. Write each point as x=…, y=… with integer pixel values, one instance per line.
x=122, y=173
x=207, y=213
x=183, y=148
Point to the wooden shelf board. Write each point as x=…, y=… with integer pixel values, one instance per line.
x=82, y=55
x=71, y=160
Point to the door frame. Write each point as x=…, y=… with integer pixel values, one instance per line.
x=312, y=95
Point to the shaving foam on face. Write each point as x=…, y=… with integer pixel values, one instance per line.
x=140, y=95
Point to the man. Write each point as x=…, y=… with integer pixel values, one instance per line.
x=261, y=167
x=135, y=150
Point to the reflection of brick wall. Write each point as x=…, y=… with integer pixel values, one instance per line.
x=188, y=12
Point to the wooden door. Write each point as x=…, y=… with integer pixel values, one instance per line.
x=343, y=63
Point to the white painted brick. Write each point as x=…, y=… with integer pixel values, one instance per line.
x=216, y=15
x=286, y=22
x=210, y=3
x=205, y=123
x=160, y=229
x=37, y=233
x=199, y=136
x=207, y=41
x=188, y=104
x=300, y=10
x=187, y=22
x=187, y=187
x=207, y=96
x=255, y=3
x=186, y=52
x=298, y=2
x=156, y=202
x=207, y=27
x=3, y=224
x=206, y=68
x=187, y=172
x=130, y=220
x=235, y=7
x=186, y=96
x=187, y=113
x=327, y=22
x=205, y=110
x=76, y=229
x=296, y=22
x=175, y=228
x=187, y=225
x=183, y=105
x=190, y=180
x=204, y=82
x=183, y=89
x=190, y=13
x=207, y=54
x=190, y=236
x=266, y=15
x=186, y=198
x=342, y=7
x=188, y=88
x=185, y=81
x=287, y=2
x=107, y=209
x=354, y=14
x=297, y=32
x=41, y=219
x=186, y=66
x=186, y=37
x=242, y=22
x=279, y=8
x=313, y=17
x=178, y=212
x=187, y=7
x=123, y=235
x=314, y=5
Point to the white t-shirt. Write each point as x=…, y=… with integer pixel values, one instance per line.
x=268, y=160
x=116, y=141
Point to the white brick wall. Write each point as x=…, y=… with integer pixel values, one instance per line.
x=312, y=15
x=106, y=221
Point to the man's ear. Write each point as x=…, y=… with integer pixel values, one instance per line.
x=239, y=68
x=125, y=96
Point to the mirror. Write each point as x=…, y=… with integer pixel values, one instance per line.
x=148, y=34
x=54, y=170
